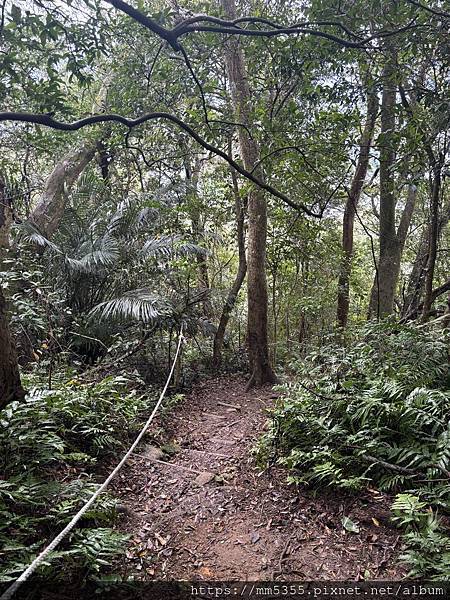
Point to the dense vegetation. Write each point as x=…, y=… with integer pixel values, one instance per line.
x=157, y=156
x=51, y=444
x=375, y=413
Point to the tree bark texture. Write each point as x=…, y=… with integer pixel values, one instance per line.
x=49, y=211
x=416, y=282
x=257, y=338
x=400, y=240
x=433, y=237
x=388, y=264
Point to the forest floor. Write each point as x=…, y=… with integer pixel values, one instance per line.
x=202, y=510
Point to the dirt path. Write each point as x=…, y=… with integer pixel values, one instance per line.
x=211, y=515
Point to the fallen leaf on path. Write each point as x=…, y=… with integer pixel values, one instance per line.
x=163, y=541
x=204, y=478
x=254, y=537
x=349, y=525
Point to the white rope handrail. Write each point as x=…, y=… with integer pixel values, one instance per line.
x=36, y=562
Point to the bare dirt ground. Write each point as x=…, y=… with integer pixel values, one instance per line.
x=203, y=511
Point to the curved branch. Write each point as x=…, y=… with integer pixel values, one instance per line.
x=48, y=121
x=433, y=11
x=147, y=22
x=262, y=21
x=294, y=30
x=222, y=26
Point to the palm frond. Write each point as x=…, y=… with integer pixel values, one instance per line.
x=163, y=246
x=131, y=216
x=170, y=245
x=29, y=233
x=146, y=216
x=139, y=305
x=92, y=255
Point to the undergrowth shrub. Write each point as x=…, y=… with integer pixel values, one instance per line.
x=50, y=447
x=376, y=412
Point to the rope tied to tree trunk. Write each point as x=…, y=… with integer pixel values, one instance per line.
x=54, y=543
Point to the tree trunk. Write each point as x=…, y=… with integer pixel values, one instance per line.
x=416, y=281
x=432, y=240
x=400, y=237
x=238, y=280
x=10, y=384
x=388, y=264
x=6, y=219
x=427, y=249
x=343, y=300
x=49, y=211
x=260, y=368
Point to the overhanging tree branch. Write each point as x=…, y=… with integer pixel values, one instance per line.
x=430, y=9
x=209, y=24
x=213, y=25
x=48, y=121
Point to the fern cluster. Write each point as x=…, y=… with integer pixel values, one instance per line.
x=376, y=412
x=49, y=447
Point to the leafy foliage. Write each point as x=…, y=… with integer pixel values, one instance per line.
x=376, y=412
x=94, y=269
x=48, y=445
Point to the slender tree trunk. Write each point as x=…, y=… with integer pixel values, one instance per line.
x=433, y=240
x=302, y=329
x=260, y=368
x=6, y=219
x=238, y=280
x=416, y=281
x=192, y=172
x=388, y=266
x=427, y=249
x=287, y=327
x=274, y=314
x=343, y=300
x=10, y=384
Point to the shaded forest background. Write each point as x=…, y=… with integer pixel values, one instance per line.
x=270, y=176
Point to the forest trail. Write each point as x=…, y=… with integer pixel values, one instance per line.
x=211, y=515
